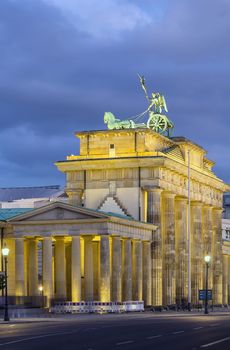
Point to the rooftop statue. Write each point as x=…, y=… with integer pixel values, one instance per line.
x=156, y=121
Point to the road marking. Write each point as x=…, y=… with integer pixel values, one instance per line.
x=36, y=337
x=88, y=329
x=198, y=328
x=125, y=342
x=178, y=332
x=154, y=336
x=214, y=325
x=215, y=342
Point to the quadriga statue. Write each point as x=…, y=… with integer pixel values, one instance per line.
x=157, y=121
x=114, y=123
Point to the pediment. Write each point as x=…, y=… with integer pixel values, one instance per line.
x=58, y=211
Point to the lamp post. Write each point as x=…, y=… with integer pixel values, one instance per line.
x=5, y=252
x=189, y=238
x=40, y=288
x=207, y=259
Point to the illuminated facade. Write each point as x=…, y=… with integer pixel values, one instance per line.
x=226, y=254
x=141, y=251
x=145, y=175
x=86, y=255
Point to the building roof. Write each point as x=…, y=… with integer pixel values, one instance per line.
x=77, y=214
x=174, y=151
x=16, y=193
x=6, y=214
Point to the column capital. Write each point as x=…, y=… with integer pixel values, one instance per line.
x=31, y=238
x=145, y=241
x=136, y=240
x=168, y=194
x=126, y=238
x=181, y=199
x=116, y=237
x=59, y=238
x=76, y=236
x=75, y=195
x=196, y=204
x=71, y=191
x=220, y=210
x=207, y=206
x=152, y=189
x=88, y=237
x=105, y=235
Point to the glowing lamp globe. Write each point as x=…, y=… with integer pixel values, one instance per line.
x=207, y=258
x=5, y=251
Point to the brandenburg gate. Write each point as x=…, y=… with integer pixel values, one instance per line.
x=137, y=196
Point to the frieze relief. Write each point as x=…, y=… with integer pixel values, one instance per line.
x=178, y=184
x=150, y=176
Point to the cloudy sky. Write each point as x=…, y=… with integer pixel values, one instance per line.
x=63, y=63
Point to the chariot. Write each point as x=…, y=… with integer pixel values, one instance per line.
x=157, y=121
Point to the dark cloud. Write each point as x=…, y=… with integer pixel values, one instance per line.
x=59, y=76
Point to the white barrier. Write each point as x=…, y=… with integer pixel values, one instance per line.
x=131, y=306
x=97, y=307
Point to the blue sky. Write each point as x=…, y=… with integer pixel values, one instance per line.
x=64, y=63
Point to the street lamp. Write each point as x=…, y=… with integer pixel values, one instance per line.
x=5, y=252
x=207, y=260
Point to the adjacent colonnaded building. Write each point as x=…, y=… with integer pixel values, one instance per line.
x=124, y=233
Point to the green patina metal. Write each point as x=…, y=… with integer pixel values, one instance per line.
x=157, y=121
x=8, y=213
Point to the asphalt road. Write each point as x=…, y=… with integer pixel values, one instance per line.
x=126, y=331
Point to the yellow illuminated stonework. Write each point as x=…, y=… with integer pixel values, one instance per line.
x=87, y=255
x=145, y=175
x=123, y=235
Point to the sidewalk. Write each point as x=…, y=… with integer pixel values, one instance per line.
x=48, y=317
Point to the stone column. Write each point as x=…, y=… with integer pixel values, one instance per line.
x=146, y=266
x=181, y=250
x=76, y=269
x=60, y=268
x=208, y=243
x=68, y=269
x=116, y=269
x=96, y=270
x=217, y=256
x=1, y=256
x=33, y=266
x=169, y=257
x=154, y=215
x=197, y=255
x=137, y=270
x=75, y=197
x=104, y=269
x=88, y=268
x=127, y=269
x=228, y=280
x=47, y=269
x=225, y=279
x=19, y=267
